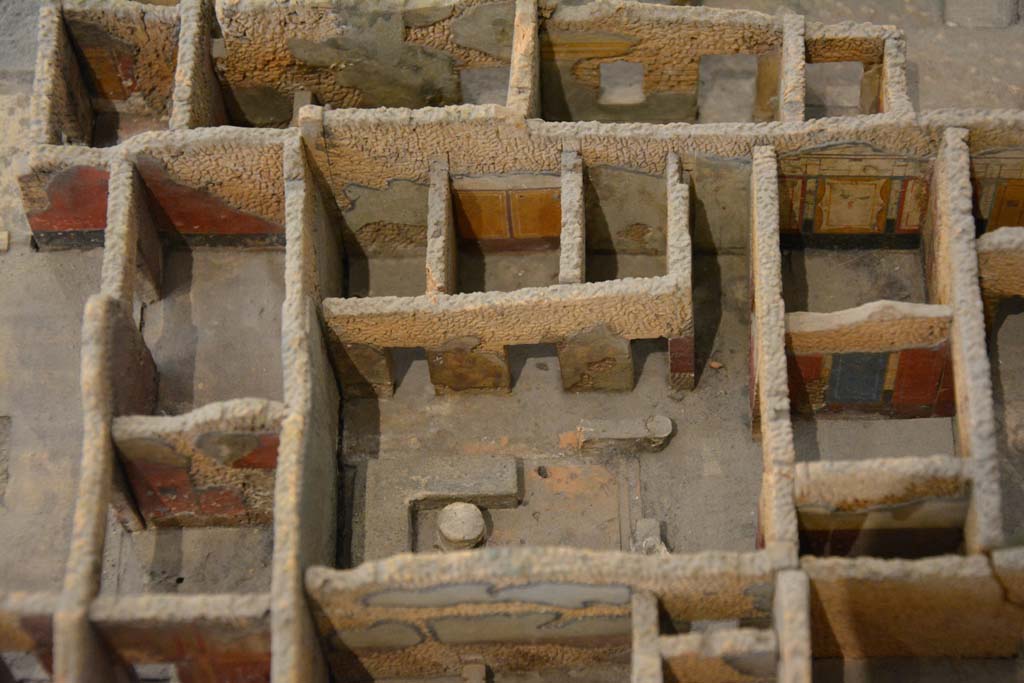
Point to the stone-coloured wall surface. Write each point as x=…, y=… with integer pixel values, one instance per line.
x=537, y=608
x=212, y=467
x=884, y=357
x=306, y=488
x=981, y=13
x=350, y=53
x=972, y=372
x=61, y=107
x=133, y=256
x=578, y=44
x=198, y=101
x=625, y=211
x=851, y=195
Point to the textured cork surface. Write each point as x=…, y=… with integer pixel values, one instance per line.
x=405, y=104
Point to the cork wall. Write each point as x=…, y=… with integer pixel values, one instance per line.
x=102, y=66
x=582, y=47
x=409, y=616
x=350, y=54
x=127, y=54
x=193, y=193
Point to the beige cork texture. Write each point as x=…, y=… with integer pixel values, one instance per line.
x=321, y=133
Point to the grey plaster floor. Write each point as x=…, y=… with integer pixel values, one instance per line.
x=216, y=332
x=506, y=271
x=386, y=276
x=187, y=561
x=489, y=271
x=711, y=470
x=872, y=438
x=824, y=281
x=42, y=296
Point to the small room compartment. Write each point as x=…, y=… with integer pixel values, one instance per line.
x=111, y=68
x=851, y=221
x=202, y=477
x=844, y=71
x=507, y=229
x=216, y=334
x=452, y=53
x=197, y=431
x=626, y=213
x=384, y=231
x=874, y=619
x=643, y=63
x=865, y=336
x=700, y=638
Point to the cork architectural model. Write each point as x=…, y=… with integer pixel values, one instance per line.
x=448, y=404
